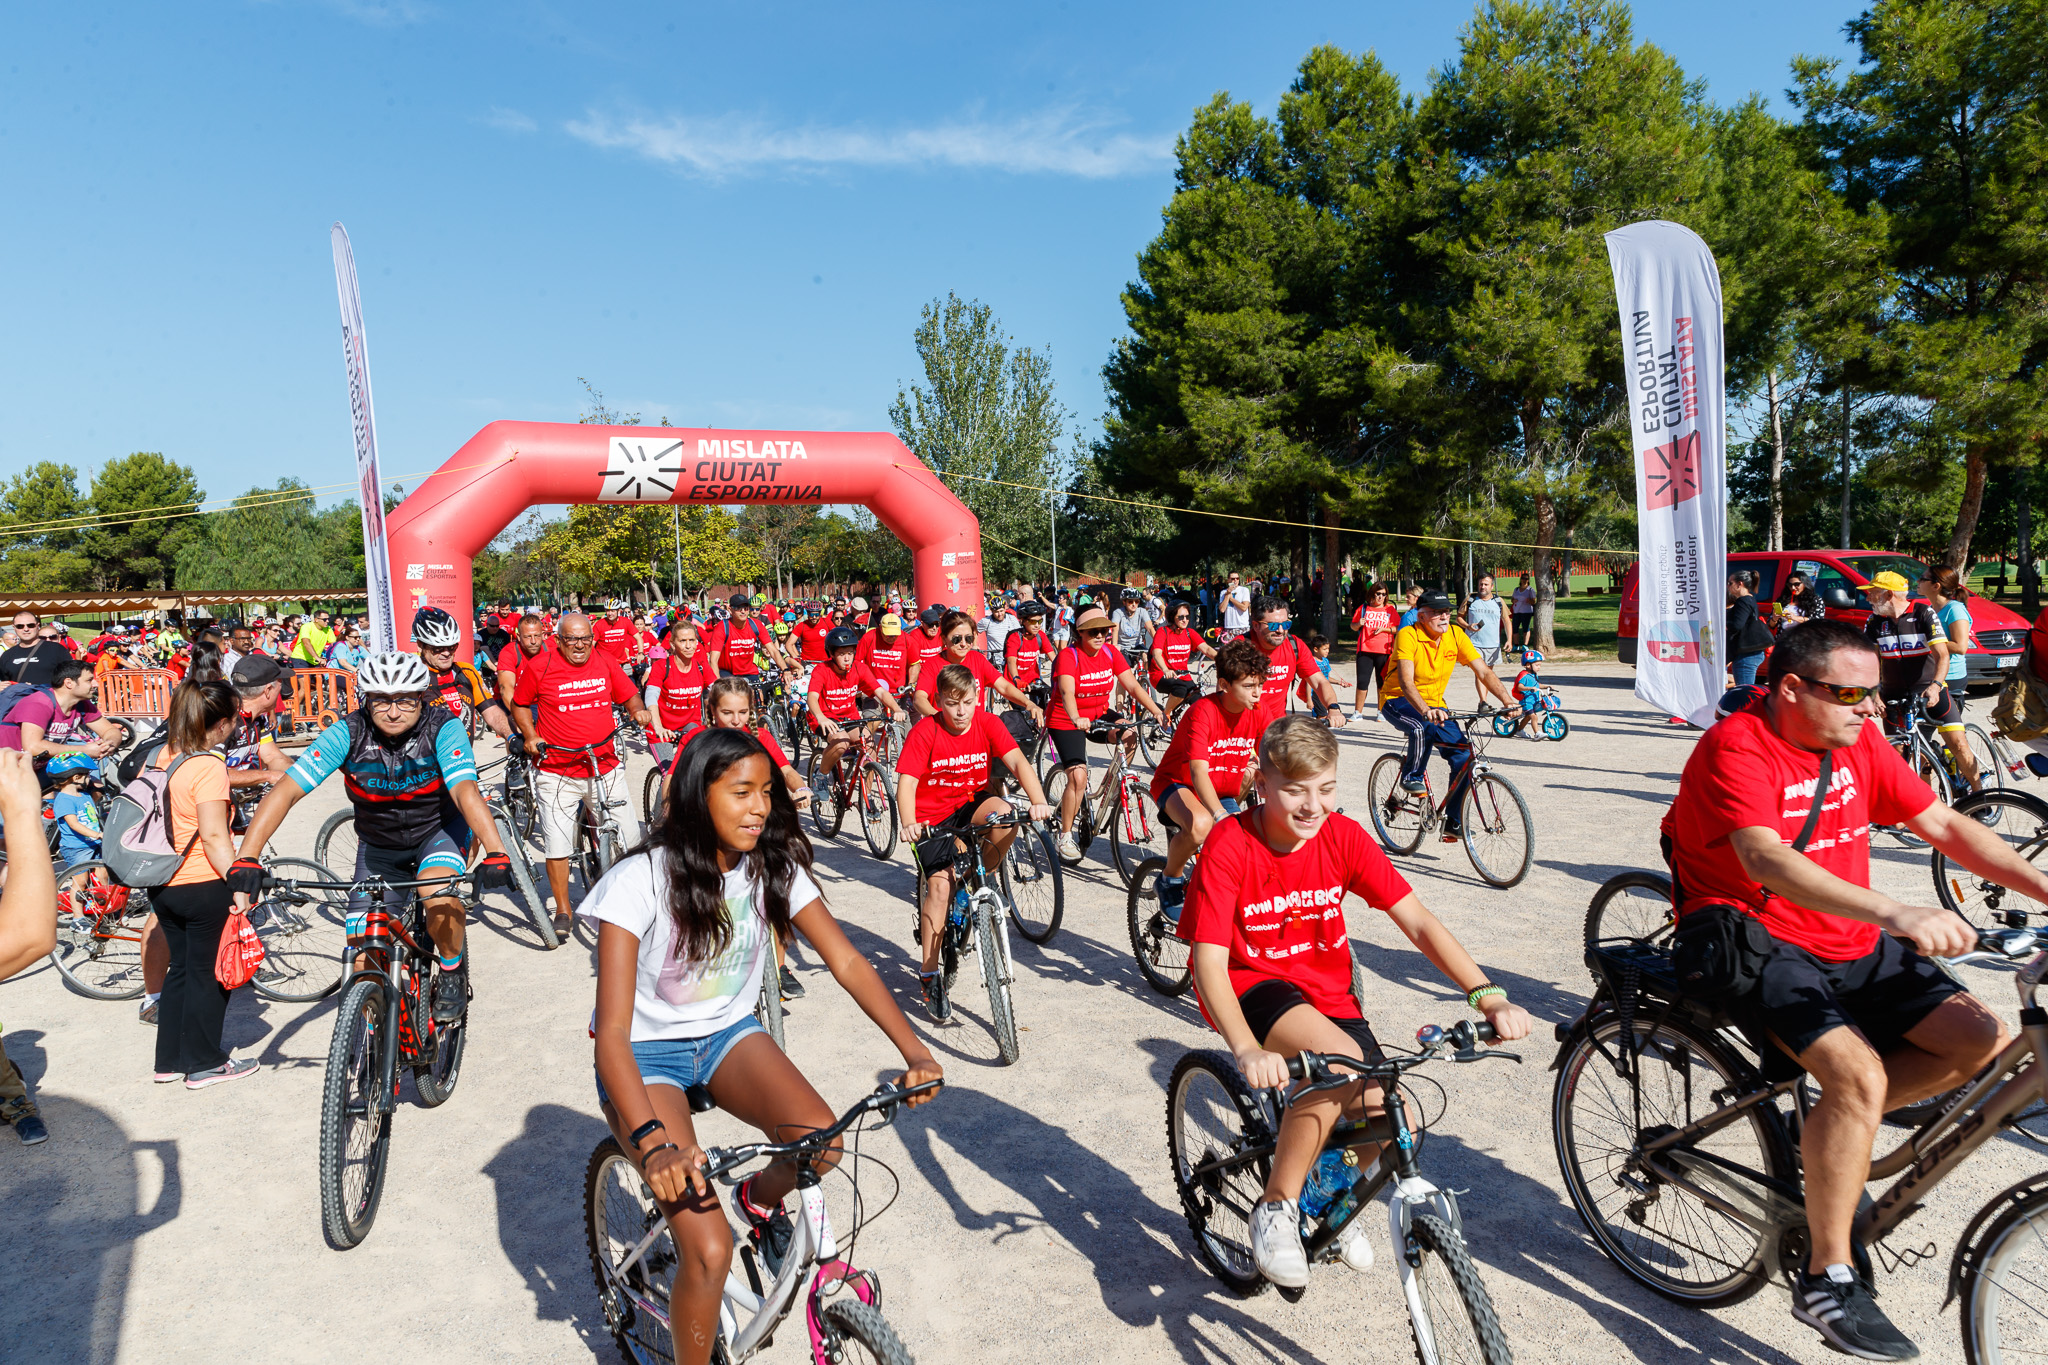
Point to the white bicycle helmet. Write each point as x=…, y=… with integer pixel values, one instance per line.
x=392, y=675
x=436, y=628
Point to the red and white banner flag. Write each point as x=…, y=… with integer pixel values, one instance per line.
x=1670, y=295
x=355, y=350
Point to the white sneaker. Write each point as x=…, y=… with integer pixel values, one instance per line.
x=1353, y=1245
x=1276, y=1243
x=1069, y=850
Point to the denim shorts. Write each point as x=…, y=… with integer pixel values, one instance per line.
x=684, y=1062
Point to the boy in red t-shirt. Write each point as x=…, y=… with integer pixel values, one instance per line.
x=945, y=782
x=1272, y=965
x=836, y=688
x=1203, y=769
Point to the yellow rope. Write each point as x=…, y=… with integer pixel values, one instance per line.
x=1028, y=555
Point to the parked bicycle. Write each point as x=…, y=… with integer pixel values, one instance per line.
x=1221, y=1136
x=978, y=921
x=1496, y=828
x=1121, y=804
x=633, y=1254
x=860, y=784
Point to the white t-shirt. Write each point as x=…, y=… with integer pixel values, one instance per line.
x=673, y=999
x=1237, y=609
x=1524, y=601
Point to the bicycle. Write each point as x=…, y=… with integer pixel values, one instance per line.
x=1684, y=1167
x=2021, y=819
x=1220, y=1137
x=384, y=1023
x=860, y=782
x=978, y=921
x=1123, y=796
x=1165, y=959
x=1547, y=721
x=1497, y=831
x=1908, y=730
x=631, y=1245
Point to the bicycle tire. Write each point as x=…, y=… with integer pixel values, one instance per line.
x=1212, y=1114
x=1615, y=915
x=768, y=1004
x=995, y=971
x=335, y=845
x=1134, y=833
x=355, y=1060
x=2010, y=1249
x=877, y=810
x=520, y=808
x=1493, y=809
x=1033, y=884
x=1587, y=1074
x=99, y=950
x=650, y=788
x=435, y=1081
x=1454, y=1303
x=619, y=1210
x=851, y=1321
x=949, y=958
x=1985, y=752
x=1055, y=788
x=1151, y=741
x=1397, y=816
x=1503, y=724
x=1556, y=725
x=528, y=889
x=1164, y=958
x=827, y=814
x=2021, y=820
x=304, y=935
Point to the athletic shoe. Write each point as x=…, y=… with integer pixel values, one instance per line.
x=166, y=1077
x=770, y=1231
x=1276, y=1243
x=451, y=994
x=31, y=1129
x=1070, y=852
x=147, y=1014
x=792, y=989
x=1353, y=1246
x=935, y=1003
x=1414, y=785
x=227, y=1071
x=1173, y=894
x=1848, y=1318
x=1451, y=836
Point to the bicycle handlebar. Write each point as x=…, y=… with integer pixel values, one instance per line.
x=1462, y=1040
x=2002, y=945
x=276, y=883
x=720, y=1161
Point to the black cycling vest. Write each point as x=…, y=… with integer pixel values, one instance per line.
x=397, y=790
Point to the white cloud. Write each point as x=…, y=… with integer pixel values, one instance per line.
x=1058, y=142
x=507, y=120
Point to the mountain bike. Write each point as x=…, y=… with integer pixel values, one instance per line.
x=633, y=1255
x=977, y=921
x=1681, y=1153
x=1908, y=730
x=1119, y=806
x=384, y=1024
x=2019, y=818
x=1496, y=829
x=859, y=784
x=1220, y=1137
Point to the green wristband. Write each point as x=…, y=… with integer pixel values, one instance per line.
x=1480, y=993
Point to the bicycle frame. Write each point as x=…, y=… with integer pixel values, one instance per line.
x=381, y=926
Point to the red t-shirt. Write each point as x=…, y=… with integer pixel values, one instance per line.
x=512, y=660
x=1286, y=662
x=923, y=649
x=573, y=707
x=614, y=638
x=680, y=699
x=952, y=769
x=1026, y=651
x=1282, y=915
x=1094, y=683
x=2037, y=645
x=838, y=696
x=810, y=642
x=1375, y=627
x=735, y=646
x=888, y=658
x=976, y=662
x=1741, y=774
x=1177, y=645
x=775, y=754
x=1209, y=734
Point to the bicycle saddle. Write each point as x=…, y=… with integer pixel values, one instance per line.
x=700, y=1098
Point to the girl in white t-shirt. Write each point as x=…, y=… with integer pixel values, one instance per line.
x=683, y=929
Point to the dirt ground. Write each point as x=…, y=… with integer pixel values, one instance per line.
x=1035, y=1220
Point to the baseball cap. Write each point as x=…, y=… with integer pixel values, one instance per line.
x=1891, y=582
x=891, y=624
x=254, y=670
x=1433, y=600
x=931, y=615
x=860, y=604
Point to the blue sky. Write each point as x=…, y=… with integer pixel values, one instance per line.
x=725, y=215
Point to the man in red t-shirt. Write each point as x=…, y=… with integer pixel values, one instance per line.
x=886, y=654
x=836, y=687
x=1203, y=769
x=571, y=691
x=809, y=639
x=1286, y=660
x=740, y=643
x=1028, y=650
x=614, y=634
x=1272, y=966
x=946, y=782
x=529, y=638
x=1878, y=1024
x=1174, y=645
x=1085, y=676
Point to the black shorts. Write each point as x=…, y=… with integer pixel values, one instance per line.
x=936, y=851
x=1187, y=689
x=1264, y=1003
x=1370, y=666
x=1071, y=746
x=1884, y=995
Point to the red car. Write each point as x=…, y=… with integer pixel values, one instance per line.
x=1839, y=577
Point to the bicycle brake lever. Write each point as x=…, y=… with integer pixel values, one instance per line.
x=1480, y=1054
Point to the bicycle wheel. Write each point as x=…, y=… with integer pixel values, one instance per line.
x=1163, y=956
x=1033, y=884
x=1211, y=1118
x=1398, y=817
x=1556, y=725
x=618, y=1213
x=768, y=1004
x=1631, y=907
x=355, y=1122
x=1989, y=769
x=996, y=974
x=335, y=845
x=1055, y=788
x=1451, y=1318
x=2021, y=821
x=304, y=933
x=856, y=1331
x=1135, y=833
x=585, y=857
x=650, y=792
x=527, y=887
x=99, y=933
x=827, y=815
x=435, y=1078
x=877, y=810
x=521, y=809
x=2001, y=1310
x=1152, y=741
x=1503, y=723
x=1659, y=1234
x=1930, y=770
x=1499, y=835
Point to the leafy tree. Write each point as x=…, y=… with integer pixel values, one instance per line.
x=776, y=530
x=36, y=556
x=270, y=538
x=143, y=502
x=601, y=546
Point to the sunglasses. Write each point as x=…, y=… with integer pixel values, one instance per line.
x=1835, y=692
x=959, y=639
x=1276, y=627
x=1095, y=630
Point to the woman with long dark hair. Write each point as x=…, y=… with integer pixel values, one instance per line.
x=684, y=924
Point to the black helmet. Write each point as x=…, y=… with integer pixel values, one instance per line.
x=436, y=629
x=1029, y=610
x=841, y=637
x=1739, y=699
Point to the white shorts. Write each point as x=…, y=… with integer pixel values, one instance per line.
x=561, y=799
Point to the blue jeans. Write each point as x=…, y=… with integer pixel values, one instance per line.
x=1424, y=736
x=1746, y=667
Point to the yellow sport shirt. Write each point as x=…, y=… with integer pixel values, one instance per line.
x=1435, y=660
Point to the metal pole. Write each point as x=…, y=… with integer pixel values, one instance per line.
x=1052, y=516
x=676, y=521
x=1845, y=466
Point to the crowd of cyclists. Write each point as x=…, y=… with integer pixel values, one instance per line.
x=1767, y=844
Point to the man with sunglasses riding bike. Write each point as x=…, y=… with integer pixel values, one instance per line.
x=411, y=775
x=454, y=684
x=1846, y=986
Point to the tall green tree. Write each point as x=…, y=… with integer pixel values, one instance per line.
x=144, y=504
x=35, y=554
x=273, y=538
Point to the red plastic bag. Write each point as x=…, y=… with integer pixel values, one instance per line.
x=241, y=952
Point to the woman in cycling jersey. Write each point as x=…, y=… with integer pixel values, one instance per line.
x=683, y=926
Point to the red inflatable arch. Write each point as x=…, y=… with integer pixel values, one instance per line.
x=436, y=533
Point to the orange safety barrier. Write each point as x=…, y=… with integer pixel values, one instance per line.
x=138, y=692
x=321, y=696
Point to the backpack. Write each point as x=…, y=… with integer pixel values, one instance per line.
x=141, y=756
x=136, y=837
x=14, y=694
